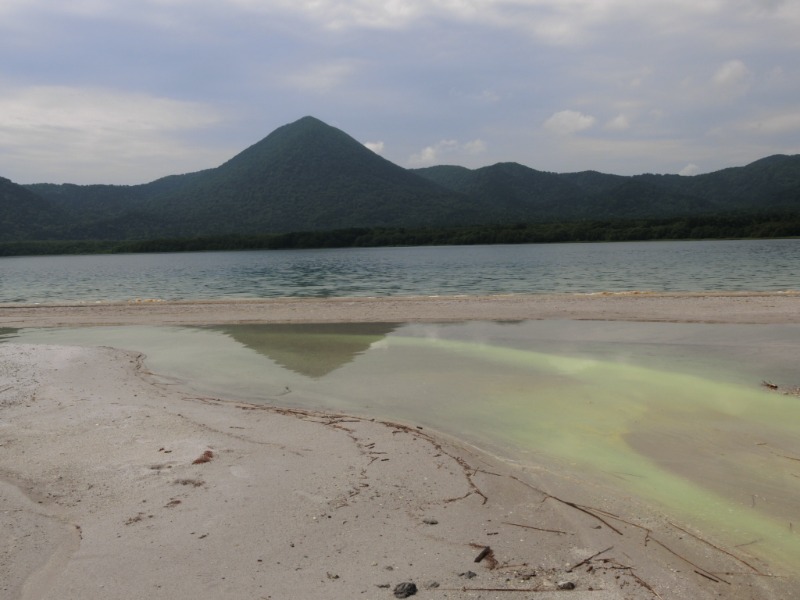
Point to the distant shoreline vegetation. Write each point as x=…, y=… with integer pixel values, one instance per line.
x=693, y=228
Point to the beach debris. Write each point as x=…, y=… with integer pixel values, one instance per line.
x=525, y=574
x=565, y=585
x=405, y=589
x=483, y=554
x=785, y=390
x=332, y=575
x=468, y=574
x=535, y=528
x=587, y=560
x=431, y=585
x=192, y=482
x=430, y=521
x=138, y=518
x=486, y=554
x=203, y=458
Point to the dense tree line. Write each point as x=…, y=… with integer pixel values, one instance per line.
x=741, y=226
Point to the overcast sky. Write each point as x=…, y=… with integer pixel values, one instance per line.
x=126, y=91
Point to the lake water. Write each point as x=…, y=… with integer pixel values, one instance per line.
x=568, y=268
x=669, y=412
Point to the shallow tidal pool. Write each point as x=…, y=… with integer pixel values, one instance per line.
x=674, y=414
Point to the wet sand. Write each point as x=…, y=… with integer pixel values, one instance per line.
x=102, y=493
x=739, y=307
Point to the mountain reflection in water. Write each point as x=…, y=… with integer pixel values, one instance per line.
x=310, y=349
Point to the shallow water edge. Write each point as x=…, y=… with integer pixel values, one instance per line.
x=673, y=413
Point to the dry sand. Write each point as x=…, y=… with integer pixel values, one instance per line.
x=101, y=494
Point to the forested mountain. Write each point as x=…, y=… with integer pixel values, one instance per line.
x=24, y=213
x=767, y=185
x=308, y=176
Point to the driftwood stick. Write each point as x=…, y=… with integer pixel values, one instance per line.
x=535, y=528
x=733, y=556
x=707, y=574
x=646, y=585
x=483, y=554
x=785, y=456
x=536, y=590
x=588, y=512
x=586, y=560
x=617, y=518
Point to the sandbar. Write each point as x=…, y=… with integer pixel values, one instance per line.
x=679, y=307
x=116, y=483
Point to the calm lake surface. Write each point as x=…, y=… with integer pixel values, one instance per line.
x=670, y=412
x=764, y=265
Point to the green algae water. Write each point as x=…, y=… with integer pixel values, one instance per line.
x=673, y=414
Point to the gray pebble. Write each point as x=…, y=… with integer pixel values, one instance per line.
x=565, y=585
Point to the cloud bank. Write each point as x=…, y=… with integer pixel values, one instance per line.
x=123, y=91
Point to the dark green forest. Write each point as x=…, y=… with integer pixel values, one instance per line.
x=694, y=228
x=311, y=185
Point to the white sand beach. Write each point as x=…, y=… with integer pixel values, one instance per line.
x=114, y=484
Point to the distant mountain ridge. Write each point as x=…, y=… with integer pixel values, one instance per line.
x=309, y=176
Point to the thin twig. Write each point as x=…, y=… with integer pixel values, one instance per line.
x=586, y=560
x=588, y=512
x=617, y=518
x=646, y=585
x=686, y=560
x=535, y=528
x=784, y=456
x=733, y=556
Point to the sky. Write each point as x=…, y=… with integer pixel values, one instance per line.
x=127, y=91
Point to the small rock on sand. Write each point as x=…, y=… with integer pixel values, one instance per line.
x=405, y=589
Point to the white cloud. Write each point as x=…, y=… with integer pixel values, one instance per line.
x=567, y=122
x=376, y=147
x=345, y=14
x=474, y=147
x=431, y=154
x=618, y=123
x=97, y=135
x=446, y=149
x=690, y=169
x=561, y=22
x=733, y=77
x=76, y=108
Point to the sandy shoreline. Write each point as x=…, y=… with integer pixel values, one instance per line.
x=717, y=307
x=101, y=495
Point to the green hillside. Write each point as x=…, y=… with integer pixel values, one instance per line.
x=308, y=176
x=311, y=177
x=24, y=214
